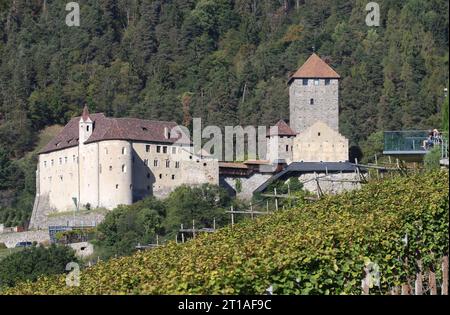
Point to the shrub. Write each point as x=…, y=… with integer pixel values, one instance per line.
x=34, y=262
x=433, y=159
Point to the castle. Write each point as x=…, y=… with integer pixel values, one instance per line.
x=101, y=162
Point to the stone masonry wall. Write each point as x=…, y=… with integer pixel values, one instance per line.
x=303, y=114
x=329, y=187
x=11, y=239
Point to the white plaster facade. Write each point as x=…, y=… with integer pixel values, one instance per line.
x=108, y=173
x=320, y=143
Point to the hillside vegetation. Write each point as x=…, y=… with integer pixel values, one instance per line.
x=319, y=248
x=226, y=61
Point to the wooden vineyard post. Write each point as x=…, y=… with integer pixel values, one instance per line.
x=182, y=234
x=251, y=210
x=232, y=216
x=276, y=199
x=376, y=163
x=432, y=283
x=365, y=282
x=418, y=285
x=193, y=228
x=445, y=275
x=406, y=289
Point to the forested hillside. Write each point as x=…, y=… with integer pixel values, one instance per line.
x=222, y=60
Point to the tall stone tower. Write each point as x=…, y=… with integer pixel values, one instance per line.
x=314, y=95
x=88, y=163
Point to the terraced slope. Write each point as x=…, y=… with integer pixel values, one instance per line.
x=315, y=249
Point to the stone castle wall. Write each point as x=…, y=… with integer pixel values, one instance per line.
x=11, y=239
x=303, y=114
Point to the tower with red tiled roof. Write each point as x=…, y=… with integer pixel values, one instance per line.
x=86, y=126
x=280, y=143
x=314, y=95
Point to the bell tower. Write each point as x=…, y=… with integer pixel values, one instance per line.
x=86, y=126
x=314, y=95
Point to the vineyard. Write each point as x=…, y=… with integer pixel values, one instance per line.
x=398, y=225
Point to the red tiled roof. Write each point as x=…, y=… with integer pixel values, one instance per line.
x=283, y=130
x=315, y=67
x=105, y=128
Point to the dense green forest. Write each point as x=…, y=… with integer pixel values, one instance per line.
x=225, y=61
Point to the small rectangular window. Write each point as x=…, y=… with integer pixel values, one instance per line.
x=316, y=82
x=311, y=101
x=45, y=163
x=327, y=81
x=173, y=177
x=174, y=150
x=287, y=148
x=155, y=163
x=177, y=164
x=305, y=81
x=147, y=148
x=60, y=161
x=158, y=149
x=164, y=150
x=168, y=164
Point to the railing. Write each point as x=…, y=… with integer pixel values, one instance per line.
x=405, y=141
x=414, y=142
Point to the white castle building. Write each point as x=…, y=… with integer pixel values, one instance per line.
x=101, y=162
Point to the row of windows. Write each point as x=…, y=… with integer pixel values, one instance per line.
x=162, y=149
x=316, y=82
x=61, y=160
x=156, y=163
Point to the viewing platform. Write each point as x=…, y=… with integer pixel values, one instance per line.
x=412, y=145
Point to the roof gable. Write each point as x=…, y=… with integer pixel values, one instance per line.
x=319, y=131
x=313, y=68
x=283, y=130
